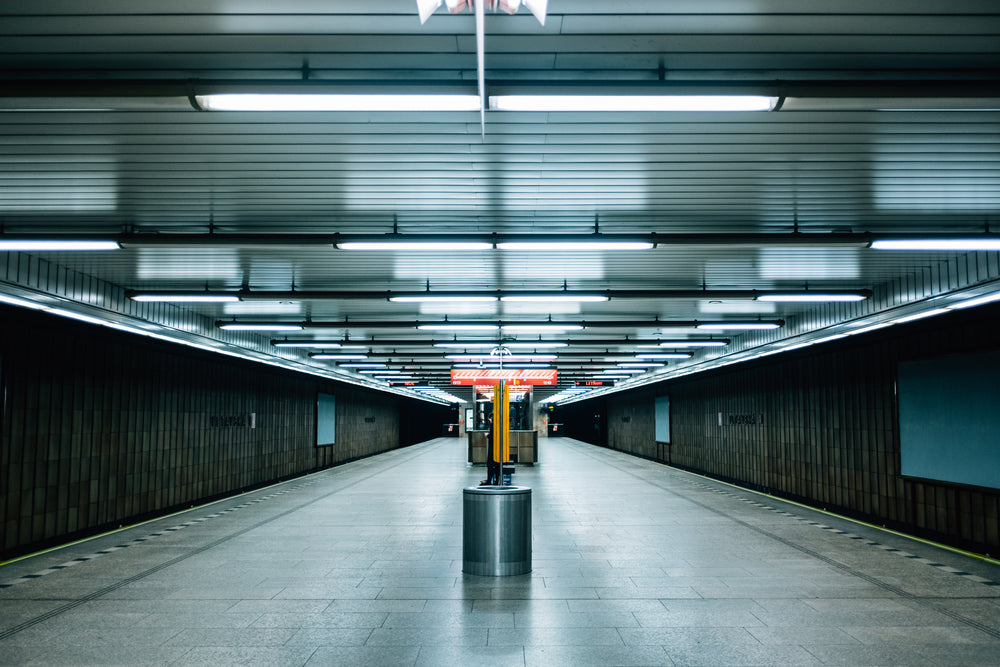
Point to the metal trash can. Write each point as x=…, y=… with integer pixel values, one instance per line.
x=496, y=530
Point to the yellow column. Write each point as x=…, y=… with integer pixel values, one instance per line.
x=501, y=423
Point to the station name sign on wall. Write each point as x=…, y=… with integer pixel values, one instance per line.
x=513, y=376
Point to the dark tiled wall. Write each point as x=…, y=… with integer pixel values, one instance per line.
x=819, y=425
x=100, y=428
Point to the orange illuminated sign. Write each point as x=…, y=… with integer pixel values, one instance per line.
x=513, y=376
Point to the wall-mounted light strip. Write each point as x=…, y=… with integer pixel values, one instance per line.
x=632, y=103
x=336, y=102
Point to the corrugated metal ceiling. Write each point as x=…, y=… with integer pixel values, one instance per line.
x=829, y=160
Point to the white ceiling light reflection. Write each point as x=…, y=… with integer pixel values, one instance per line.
x=743, y=307
x=458, y=307
x=263, y=308
x=189, y=264
x=808, y=263
x=543, y=308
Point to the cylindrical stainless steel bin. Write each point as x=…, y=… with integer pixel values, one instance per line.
x=496, y=530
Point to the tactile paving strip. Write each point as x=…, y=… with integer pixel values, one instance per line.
x=145, y=538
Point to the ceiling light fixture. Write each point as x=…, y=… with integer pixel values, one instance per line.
x=426, y=8
x=439, y=298
x=555, y=297
x=572, y=246
x=445, y=326
x=632, y=103
x=336, y=102
x=56, y=245
x=236, y=326
x=184, y=298
x=664, y=355
x=739, y=326
x=541, y=328
x=720, y=342
x=414, y=245
x=534, y=344
x=952, y=244
x=302, y=343
x=814, y=297
x=338, y=356
x=467, y=344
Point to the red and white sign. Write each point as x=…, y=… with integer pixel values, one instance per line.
x=513, y=376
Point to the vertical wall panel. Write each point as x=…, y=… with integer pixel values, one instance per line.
x=100, y=427
x=818, y=424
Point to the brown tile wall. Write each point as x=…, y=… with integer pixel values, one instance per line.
x=825, y=429
x=100, y=428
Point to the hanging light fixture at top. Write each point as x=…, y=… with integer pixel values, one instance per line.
x=537, y=7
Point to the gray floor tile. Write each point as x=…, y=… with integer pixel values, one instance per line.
x=346, y=572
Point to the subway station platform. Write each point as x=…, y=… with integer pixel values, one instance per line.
x=634, y=563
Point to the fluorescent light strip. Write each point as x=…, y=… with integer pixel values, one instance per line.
x=260, y=327
x=339, y=357
x=55, y=245
x=336, y=102
x=556, y=297
x=444, y=326
x=806, y=297
x=640, y=364
x=460, y=345
x=575, y=245
x=536, y=344
x=513, y=358
x=956, y=244
x=665, y=355
x=415, y=245
x=185, y=298
x=541, y=328
x=738, y=325
x=439, y=299
x=370, y=365
x=631, y=103
x=694, y=343
x=313, y=344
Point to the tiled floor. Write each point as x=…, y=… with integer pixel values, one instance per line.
x=633, y=564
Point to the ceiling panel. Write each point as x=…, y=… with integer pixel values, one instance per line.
x=97, y=135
